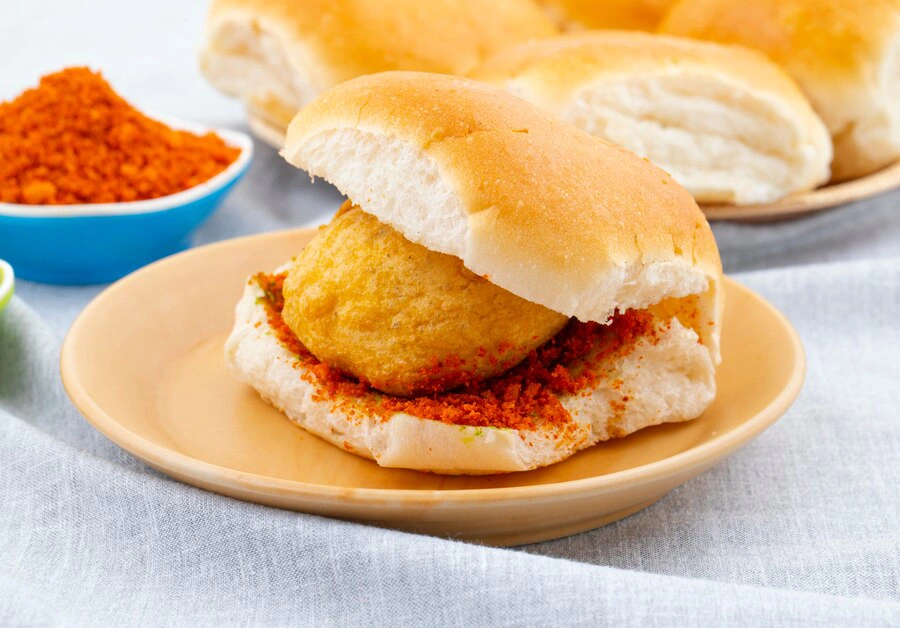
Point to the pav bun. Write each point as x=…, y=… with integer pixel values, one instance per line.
x=540, y=209
x=277, y=55
x=845, y=54
x=727, y=123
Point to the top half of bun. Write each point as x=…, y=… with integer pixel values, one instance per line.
x=587, y=14
x=291, y=50
x=535, y=205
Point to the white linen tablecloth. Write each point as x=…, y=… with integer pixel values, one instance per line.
x=800, y=528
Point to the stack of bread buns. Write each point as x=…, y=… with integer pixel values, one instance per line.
x=816, y=101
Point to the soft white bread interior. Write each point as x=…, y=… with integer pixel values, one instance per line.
x=535, y=205
x=642, y=15
x=727, y=123
x=669, y=378
x=845, y=54
x=279, y=54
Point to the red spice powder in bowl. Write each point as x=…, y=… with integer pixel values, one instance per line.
x=91, y=188
x=73, y=140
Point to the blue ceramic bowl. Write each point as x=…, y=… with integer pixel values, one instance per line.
x=86, y=244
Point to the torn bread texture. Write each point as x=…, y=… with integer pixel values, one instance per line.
x=668, y=380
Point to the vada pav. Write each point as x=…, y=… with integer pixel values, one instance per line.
x=501, y=290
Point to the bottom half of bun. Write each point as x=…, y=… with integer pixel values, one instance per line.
x=667, y=378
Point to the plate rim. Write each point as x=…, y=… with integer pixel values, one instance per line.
x=158, y=456
x=829, y=196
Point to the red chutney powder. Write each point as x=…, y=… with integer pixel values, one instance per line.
x=528, y=393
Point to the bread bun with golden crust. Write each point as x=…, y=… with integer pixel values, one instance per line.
x=845, y=54
x=727, y=123
x=277, y=55
x=541, y=209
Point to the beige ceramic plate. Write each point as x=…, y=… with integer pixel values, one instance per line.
x=791, y=206
x=144, y=363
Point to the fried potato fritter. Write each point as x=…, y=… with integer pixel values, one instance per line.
x=408, y=320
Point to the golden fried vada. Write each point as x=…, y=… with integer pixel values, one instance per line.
x=401, y=317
